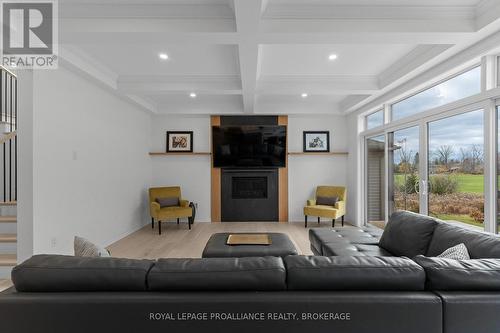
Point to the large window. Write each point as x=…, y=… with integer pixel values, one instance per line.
x=375, y=176
x=456, y=168
x=375, y=119
x=498, y=168
x=404, y=160
x=458, y=87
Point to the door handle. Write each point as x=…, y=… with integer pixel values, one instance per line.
x=424, y=187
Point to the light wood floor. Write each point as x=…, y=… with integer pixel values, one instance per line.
x=176, y=241
x=4, y=284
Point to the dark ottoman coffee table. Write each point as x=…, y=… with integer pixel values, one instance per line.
x=216, y=247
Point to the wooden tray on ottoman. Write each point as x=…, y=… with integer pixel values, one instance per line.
x=249, y=239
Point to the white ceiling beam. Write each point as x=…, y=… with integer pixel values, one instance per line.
x=73, y=58
x=138, y=25
x=351, y=101
x=145, y=10
x=487, y=12
x=296, y=107
x=247, y=15
x=318, y=85
x=198, y=31
x=359, y=25
x=313, y=11
x=147, y=38
x=167, y=84
x=72, y=55
x=200, y=105
x=164, y=36
x=146, y=102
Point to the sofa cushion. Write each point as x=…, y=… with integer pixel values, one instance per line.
x=168, y=202
x=408, y=234
x=479, y=244
x=320, y=236
x=346, y=242
x=326, y=201
x=353, y=273
x=450, y=274
x=248, y=273
x=339, y=249
x=56, y=273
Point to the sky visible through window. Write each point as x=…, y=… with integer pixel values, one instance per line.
x=461, y=133
x=461, y=86
x=406, y=142
x=375, y=119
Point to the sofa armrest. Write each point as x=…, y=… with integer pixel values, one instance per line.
x=340, y=206
x=184, y=203
x=460, y=275
x=154, y=209
x=311, y=202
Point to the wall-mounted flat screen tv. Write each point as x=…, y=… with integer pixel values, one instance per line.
x=249, y=146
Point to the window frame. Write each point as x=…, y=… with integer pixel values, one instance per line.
x=432, y=85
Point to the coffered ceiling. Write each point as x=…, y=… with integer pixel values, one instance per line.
x=266, y=56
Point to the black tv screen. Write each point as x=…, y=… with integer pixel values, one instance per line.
x=249, y=146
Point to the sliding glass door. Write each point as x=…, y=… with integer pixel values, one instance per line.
x=498, y=170
x=375, y=179
x=404, y=161
x=456, y=168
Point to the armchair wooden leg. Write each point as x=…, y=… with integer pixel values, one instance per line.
x=159, y=227
x=342, y=220
x=152, y=223
x=189, y=222
x=305, y=221
x=333, y=223
x=177, y=220
x=318, y=219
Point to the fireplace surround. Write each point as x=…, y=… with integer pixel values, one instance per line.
x=249, y=195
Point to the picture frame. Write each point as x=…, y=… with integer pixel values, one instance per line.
x=316, y=141
x=179, y=141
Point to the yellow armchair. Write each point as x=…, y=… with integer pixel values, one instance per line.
x=161, y=214
x=332, y=212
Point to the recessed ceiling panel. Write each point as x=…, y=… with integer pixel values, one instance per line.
x=314, y=59
x=377, y=2
x=183, y=60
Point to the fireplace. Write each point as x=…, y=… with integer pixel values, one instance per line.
x=249, y=195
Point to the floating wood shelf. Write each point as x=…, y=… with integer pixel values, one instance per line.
x=333, y=153
x=179, y=153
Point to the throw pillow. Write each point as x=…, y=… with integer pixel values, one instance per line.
x=85, y=248
x=457, y=252
x=168, y=202
x=326, y=201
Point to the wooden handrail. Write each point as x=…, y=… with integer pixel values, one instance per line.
x=8, y=137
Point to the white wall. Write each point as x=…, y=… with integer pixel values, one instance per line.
x=305, y=172
x=353, y=181
x=25, y=166
x=192, y=173
x=91, y=165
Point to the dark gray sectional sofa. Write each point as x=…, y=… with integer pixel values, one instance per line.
x=407, y=234
x=368, y=285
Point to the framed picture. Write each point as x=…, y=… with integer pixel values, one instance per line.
x=316, y=141
x=179, y=141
